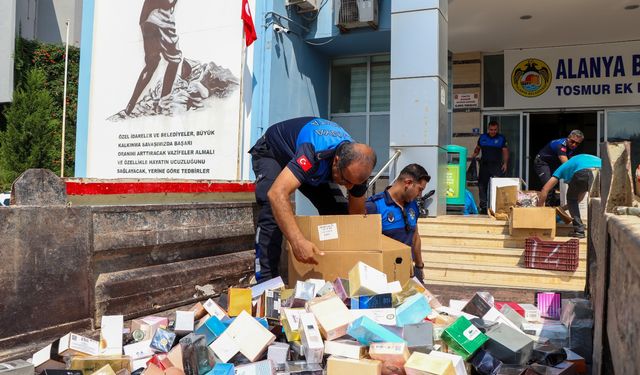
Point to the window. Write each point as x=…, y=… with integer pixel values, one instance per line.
x=493, y=80
x=360, y=96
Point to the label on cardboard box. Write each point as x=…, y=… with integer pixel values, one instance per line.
x=328, y=232
x=111, y=334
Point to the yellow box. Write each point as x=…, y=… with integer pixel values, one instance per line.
x=348, y=366
x=422, y=364
x=239, y=300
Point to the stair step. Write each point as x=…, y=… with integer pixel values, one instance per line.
x=484, y=256
x=561, y=230
x=503, y=276
x=461, y=238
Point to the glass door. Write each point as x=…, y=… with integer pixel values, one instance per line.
x=511, y=127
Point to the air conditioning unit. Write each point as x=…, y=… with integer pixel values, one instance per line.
x=304, y=5
x=351, y=14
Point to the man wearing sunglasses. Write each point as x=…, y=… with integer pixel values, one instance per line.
x=314, y=156
x=556, y=153
x=399, y=210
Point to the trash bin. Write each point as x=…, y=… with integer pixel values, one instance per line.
x=456, y=177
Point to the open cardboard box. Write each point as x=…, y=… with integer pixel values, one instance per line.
x=346, y=240
x=532, y=221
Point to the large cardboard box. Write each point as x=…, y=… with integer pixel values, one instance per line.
x=532, y=221
x=347, y=240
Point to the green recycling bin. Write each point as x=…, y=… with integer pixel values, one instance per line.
x=456, y=174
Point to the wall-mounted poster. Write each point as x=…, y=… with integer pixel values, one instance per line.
x=160, y=89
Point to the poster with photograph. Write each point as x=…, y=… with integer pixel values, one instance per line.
x=164, y=91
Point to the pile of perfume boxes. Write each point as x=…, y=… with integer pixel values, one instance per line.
x=362, y=324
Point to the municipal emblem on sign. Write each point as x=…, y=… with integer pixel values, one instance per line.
x=531, y=78
x=390, y=217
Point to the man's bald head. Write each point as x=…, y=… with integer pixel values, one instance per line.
x=354, y=161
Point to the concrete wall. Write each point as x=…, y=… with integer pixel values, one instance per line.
x=64, y=267
x=614, y=284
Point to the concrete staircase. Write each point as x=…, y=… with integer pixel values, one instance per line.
x=478, y=251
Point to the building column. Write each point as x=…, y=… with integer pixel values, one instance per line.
x=418, y=124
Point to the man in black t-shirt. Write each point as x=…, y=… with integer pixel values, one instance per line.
x=495, y=158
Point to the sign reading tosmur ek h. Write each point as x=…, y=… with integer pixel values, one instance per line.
x=595, y=75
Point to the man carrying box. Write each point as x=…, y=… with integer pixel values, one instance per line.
x=399, y=210
x=579, y=172
x=312, y=155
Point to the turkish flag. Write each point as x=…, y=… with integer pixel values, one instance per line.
x=249, y=29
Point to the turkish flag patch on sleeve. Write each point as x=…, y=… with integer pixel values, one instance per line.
x=563, y=149
x=304, y=163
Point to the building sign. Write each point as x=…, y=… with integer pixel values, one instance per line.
x=161, y=84
x=579, y=76
x=466, y=100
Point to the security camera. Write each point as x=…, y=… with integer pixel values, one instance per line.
x=280, y=29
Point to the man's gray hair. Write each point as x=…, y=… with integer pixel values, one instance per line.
x=577, y=133
x=347, y=154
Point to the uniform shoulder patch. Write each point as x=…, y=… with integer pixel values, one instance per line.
x=304, y=163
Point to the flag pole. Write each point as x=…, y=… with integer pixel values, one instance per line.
x=241, y=116
x=64, y=100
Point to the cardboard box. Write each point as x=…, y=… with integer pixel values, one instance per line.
x=367, y=331
x=140, y=350
x=148, y=325
x=365, y=280
x=251, y=337
x=195, y=355
x=477, y=306
x=390, y=353
x=302, y=368
x=413, y=310
x=378, y=301
x=239, y=300
x=278, y=352
x=463, y=338
x=184, y=322
x=175, y=357
x=291, y=322
x=531, y=313
x=17, y=367
x=532, y=221
x=265, y=367
x=421, y=364
x=506, y=197
x=456, y=360
x=419, y=337
x=348, y=366
x=104, y=370
x=509, y=345
x=214, y=309
x=345, y=348
x=385, y=317
x=72, y=344
x=332, y=315
x=271, y=284
x=303, y=292
x=111, y=334
x=346, y=240
x=222, y=369
x=198, y=311
x=310, y=338
x=512, y=305
x=90, y=364
x=549, y=304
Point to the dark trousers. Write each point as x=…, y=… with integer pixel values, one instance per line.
x=487, y=170
x=545, y=172
x=580, y=183
x=326, y=197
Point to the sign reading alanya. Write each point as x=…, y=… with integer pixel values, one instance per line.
x=599, y=75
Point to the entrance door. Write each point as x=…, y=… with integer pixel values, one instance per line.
x=511, y=128
x=545, y=127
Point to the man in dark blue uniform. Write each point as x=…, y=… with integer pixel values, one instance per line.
x=311, y=155
x=555, y=153
x=494, y=161
x=399, y=210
